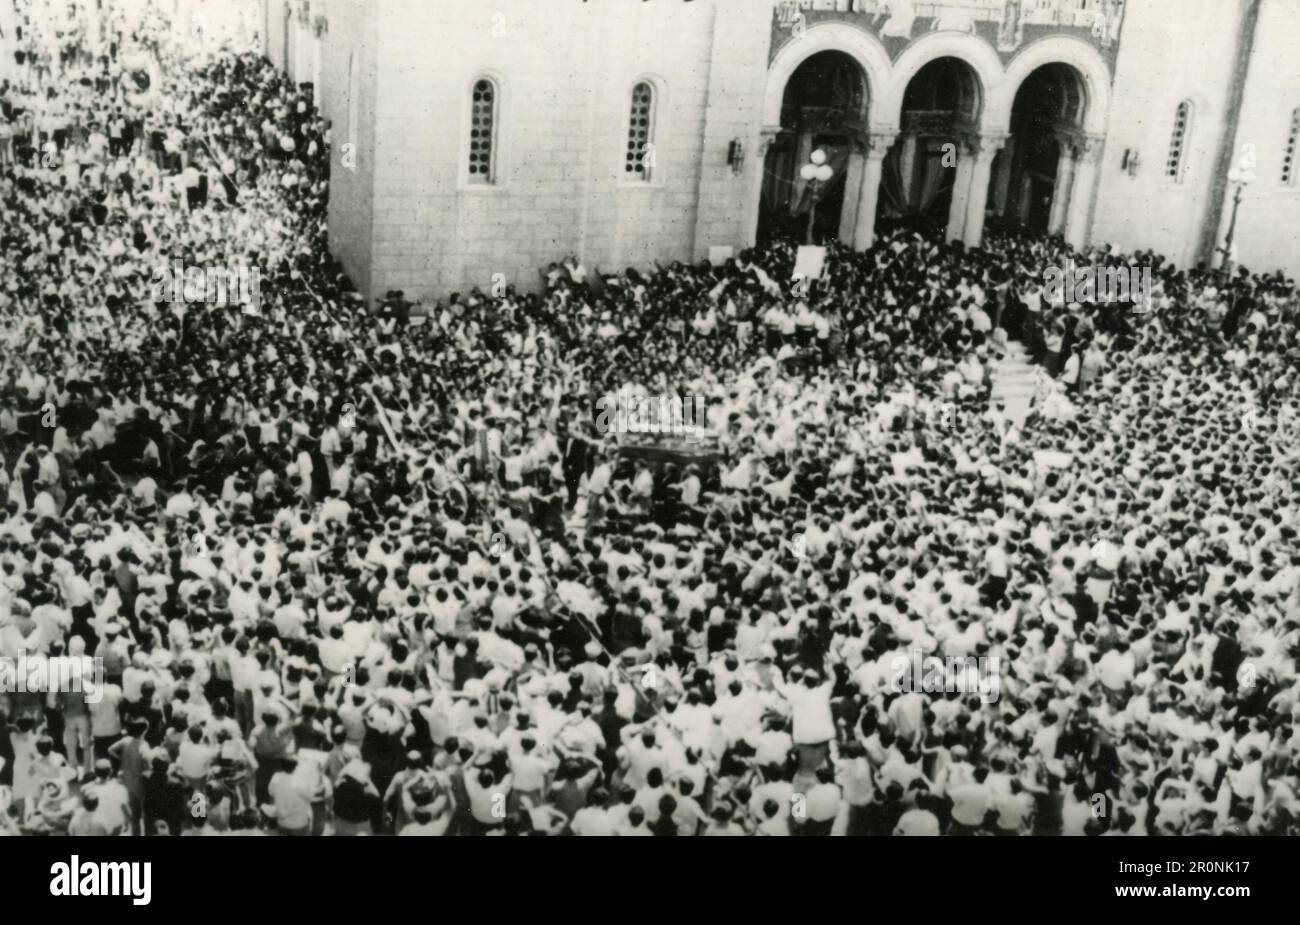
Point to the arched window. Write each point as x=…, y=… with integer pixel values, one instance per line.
x=639, y=160
x=1175, y=166
x=483, y=132
x=1289, y=152
x=354, y=102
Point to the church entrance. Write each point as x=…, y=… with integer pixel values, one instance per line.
x=940, y=105
x=1031, y=181
x=824, y=124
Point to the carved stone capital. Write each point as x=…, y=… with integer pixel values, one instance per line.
x=879, y=143
x=985, y=145
x=1089, y=148
x=1070, y=141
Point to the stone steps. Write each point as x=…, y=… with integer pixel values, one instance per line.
x=1014, y=382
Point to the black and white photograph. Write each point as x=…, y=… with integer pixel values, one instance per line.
x=650, y=417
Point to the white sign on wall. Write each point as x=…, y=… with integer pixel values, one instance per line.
x=809, y=262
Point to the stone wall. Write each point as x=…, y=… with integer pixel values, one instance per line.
x=565, y=73
x=407, y=217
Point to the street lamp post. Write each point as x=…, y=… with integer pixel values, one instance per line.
x=1240, y=176
x=818, y=173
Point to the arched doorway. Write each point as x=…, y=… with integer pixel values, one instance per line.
x=824, y=107
x=941, y=105
x=1033, y=174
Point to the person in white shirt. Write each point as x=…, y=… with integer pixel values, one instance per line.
x=1116, y=668
x=971, y=801
x=773, y=821
x=823, y=804
x=114, y=802
x=426, y=823
x=635, y=824
x=106, y=718
x=594, y=820
x=291, y=800
x=998, y=568
x=917, y=821
x=813, y=724
x=488, y=798
x=195, y=758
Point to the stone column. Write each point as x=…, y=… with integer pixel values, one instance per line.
x=984, y=149
x=1086, y=171
x=1064, y=184
x=1024, y=198
x=756, y=168
x=802, y=155
x=960, y=204
x=853, y=175
x=1002, y=180
x=907, y=164
x=878, y=145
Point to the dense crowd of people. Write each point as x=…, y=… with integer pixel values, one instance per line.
x=357, y=569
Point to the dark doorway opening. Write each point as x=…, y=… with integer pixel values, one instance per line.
x=1045, y=117
x=824, y=109
x=941, y=103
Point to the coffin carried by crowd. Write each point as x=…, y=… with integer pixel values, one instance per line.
x=699, y=446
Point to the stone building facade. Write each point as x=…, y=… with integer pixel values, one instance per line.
x=478, y=140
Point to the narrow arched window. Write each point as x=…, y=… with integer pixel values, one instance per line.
x=354, y=101
x=639, y=159
x=1176, y=166
x=1289, y=152
x=483, y=132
